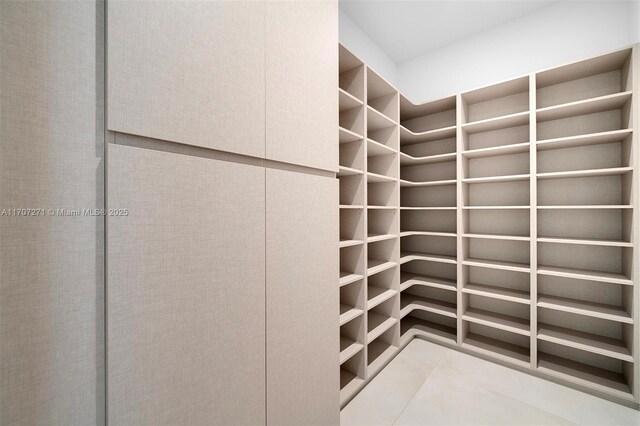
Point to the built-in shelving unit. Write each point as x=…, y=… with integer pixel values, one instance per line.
x=501, y=221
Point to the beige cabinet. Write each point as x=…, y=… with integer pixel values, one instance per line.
x=190, y=72
x=186, y=295
x=302, y=299
x=302, y=60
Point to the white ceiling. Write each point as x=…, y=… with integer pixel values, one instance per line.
x=405, y=29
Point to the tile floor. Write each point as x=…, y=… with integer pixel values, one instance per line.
x=425, y=384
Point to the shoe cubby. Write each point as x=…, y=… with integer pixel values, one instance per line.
x=352, y=339
x=352, y=301
x=496, y=343
x=440, y=221
x=496, y=103
x=351, y=74
x=352, y=375
x=499, y=221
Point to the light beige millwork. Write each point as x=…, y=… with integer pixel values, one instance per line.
x=301, y=57
x=186, y=293
x=191, y=72
x=51, y=268
x=518, y=222
x=302, y=303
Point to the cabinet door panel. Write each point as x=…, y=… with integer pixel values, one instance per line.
x=185, y=291
x=302, y=81
x=302, y=299
x=188, y=71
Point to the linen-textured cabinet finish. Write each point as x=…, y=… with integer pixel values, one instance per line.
x=51, y=267
x=190, y=72
x=302, y=299
x=186, y=296
x=302, y=58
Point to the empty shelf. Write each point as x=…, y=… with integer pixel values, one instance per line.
x=349, y=384
x=585, y=341
x=408, y=279
x=346, y=135
x=378, y=324
x=349, y=243
x=348, y=278
x=605, y=380
x=374, y=177
x=375, y=149
x=496, y=264
x=495, y=292
x=585, y=207
x=584, y=274
x=406, y=183
x=511, y=120
x=588, y=106
x=410, y=302
x=596, y=310
x=376, y=266
x=408, y=160
x=348, y=348
x=497, y=349
x=497, y=150
x=496, y=207
x=381, y=207
x=372, y=238
x=347, y=101
x=497, y=237
x=428, y=234
x=347, y=313
x=411, y=326
x=379, y=354
x=377, y=295
x=499, y=321
x=583, y=140
x=377, y=120
x=427, y=208
x=585, y=241
x=408, y=256
x=585, y=173
x=348, y=171
x=490, y=179
x=351, y=206
x=407, y=137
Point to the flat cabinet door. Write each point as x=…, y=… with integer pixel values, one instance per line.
x=185, y=292
x=302, y=299
x=190, y=72
x=302, y=81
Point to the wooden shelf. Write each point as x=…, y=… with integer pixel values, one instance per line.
x=409, y=279
x=496, y=207
x=378, y=324
x=409, y=256
x=349, y=384
x=406, y=183
x=497, y=237
x=350, y=243
x=374, y=178
x=495, y=292
x=585, y=173
x=494, y=151
x=583, y=374
x=372, y=238
x=585, y=341
x=348, y=278
x=351, y=206
x=382, y=207
x=375, y=149
x=588, y=106
x=346, y=135
x=497, y=349
x=377, y=295
x=584, y=274
x=497, y=123
x=498, y=321
x=596, y=310
x=347, y=313
x=427, y=234
x=411, y=326
x=408, y=160
x=407, y=137
x=376, y=266
x=491, y=179
x=583, y=140
x=377, y=120
x=585, y=241
x=348, y=348
x=347, y=101
x=410, y=302
x=585, y=207
x=428, y=208
x=496, y=264
x=379, y=354
x=348, y=171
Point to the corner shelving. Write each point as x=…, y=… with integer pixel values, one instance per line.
x=501, y=221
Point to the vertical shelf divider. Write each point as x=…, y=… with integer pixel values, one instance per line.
x=533, y=223
x=460, y=197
